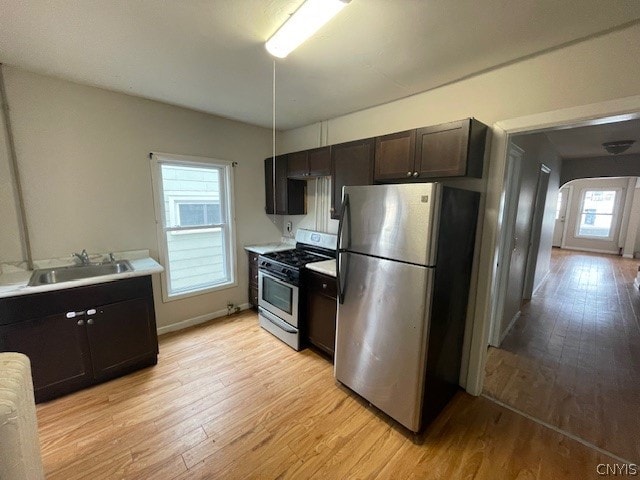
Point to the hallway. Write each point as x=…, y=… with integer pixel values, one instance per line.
x=572, y=359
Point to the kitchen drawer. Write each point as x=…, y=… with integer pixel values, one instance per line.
x=324, y=284
x=253, y=259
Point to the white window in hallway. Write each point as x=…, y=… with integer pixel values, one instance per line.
x=597, y=214
x=194, y=214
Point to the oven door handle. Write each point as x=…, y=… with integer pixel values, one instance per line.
x=275, y=276
x=281, y=324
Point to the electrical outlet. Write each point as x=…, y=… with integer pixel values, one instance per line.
x=232, y=308
x=289, y=227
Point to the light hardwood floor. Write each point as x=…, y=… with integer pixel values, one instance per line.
x=573, y=358
x=227, y=400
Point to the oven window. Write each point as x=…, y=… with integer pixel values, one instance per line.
x=277, y=294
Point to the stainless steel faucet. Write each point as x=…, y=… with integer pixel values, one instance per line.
x=83, y=257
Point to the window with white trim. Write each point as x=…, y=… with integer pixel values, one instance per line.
x=194, y=214
x=597, y=213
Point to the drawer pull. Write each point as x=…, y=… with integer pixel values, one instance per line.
x=324, y=285
x=80, y=322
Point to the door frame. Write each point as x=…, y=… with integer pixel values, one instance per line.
x=507, y=212
x=536, y=231
x=491, y=245
x=567, y=211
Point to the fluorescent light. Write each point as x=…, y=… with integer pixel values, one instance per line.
x=306, y=21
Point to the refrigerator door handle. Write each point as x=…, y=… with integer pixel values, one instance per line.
x=343, y=210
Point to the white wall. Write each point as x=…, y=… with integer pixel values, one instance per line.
x=588, y=72
x=83, y=158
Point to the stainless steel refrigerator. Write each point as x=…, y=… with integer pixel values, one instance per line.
x=405, y=255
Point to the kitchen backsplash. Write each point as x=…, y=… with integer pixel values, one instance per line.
x=318, y=215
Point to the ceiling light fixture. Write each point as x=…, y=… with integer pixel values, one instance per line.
x=619, y=146
x=305, y=21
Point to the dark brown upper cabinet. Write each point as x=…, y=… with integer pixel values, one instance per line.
x=283, y=196
x=453, y=149
x=351, y=164
x=309, y=163
x=395, y=156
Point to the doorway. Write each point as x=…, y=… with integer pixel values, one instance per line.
x=560, y=361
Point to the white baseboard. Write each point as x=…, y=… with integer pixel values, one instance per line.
x=190, y=322
x=511, y=323
x=544, y=279
x=628, y=255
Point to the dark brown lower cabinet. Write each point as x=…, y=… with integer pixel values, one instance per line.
x=321, y=311
x=126, y=325
x=253, y=279
x=58, y=350
x=81, y=336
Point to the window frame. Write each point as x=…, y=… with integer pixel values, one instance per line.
x=614, y=213
x=176, y=202
x=227, y=214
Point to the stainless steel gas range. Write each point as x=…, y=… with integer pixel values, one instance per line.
x=279, y=283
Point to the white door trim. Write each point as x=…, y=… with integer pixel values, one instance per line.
x=508, y=204
x=567, y=212
x=491, y=245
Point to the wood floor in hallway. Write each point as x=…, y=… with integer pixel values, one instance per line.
x=229, y=401
x=573, y=357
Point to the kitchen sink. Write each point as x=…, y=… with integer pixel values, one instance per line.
x=48, y=276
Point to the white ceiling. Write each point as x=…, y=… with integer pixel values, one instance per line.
x=209, y=55
x=586, y=142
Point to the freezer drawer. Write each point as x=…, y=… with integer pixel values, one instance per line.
x=399, y=222
x=382, y=333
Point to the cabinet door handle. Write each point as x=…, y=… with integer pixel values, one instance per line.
x=90, y=321
x=415, y=174
x=324, y=285
x=91, y=311
x=75, y=314
x=408, y=174
x=80, y=322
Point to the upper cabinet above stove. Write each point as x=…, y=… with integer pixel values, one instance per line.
x=283, y=196
x=309, y=163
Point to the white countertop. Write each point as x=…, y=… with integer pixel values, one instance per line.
x=269, y=247
x=328, y=267
x=15, y=283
